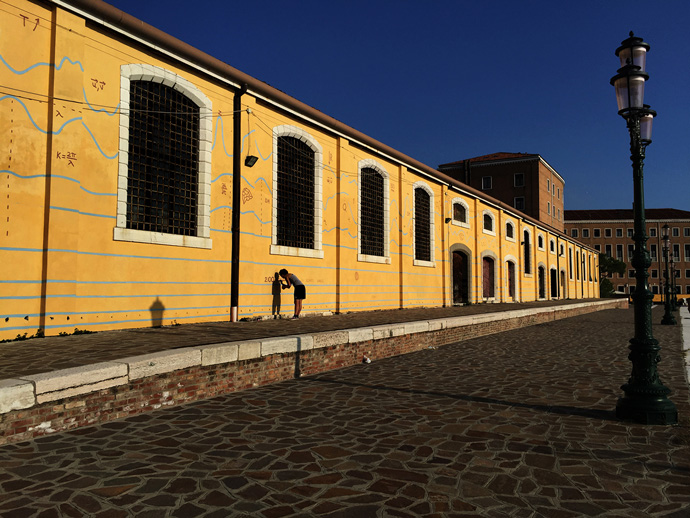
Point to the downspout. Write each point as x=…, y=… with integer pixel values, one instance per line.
x=236, y=185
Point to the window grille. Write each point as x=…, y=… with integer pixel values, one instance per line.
x=372, y=213
x=459, y=212
x=422, y=225
x=162, y=186
x=488, y=223
x=295, y=196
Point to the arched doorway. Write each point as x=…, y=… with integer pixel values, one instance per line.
x=511, y=279
x=488, y=286
x=564, y=293
x=460, y=265
x=542, y=282
x=554, y=283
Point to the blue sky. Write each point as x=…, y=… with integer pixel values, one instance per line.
x=447, y=80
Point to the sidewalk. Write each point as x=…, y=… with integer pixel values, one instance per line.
x=35, y=356
x=515, y=424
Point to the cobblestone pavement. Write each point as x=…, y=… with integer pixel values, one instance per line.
x=517, y=424
x=56, y=352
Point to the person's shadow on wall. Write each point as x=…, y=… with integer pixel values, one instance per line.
x=157, y=309
x=275, y=291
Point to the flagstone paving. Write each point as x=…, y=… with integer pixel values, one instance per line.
x=517, y=424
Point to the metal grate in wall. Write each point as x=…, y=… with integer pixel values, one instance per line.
x=371, y=213
x=459, y=212
x=295, y=210
x=162, y=184
x=422, y=225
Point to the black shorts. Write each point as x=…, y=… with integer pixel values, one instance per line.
x=300, y=292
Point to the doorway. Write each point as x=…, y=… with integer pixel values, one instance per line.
x=488, y=277
x=460, y=277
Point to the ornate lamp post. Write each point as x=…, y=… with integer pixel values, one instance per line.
x=668, y=319
x=645, y=398
x=674, y=300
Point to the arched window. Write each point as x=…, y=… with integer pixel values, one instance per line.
x=488, y=222
x=165, y=174
x=527, y=251
x=373, y=212
x=296, y=187
x=460, y=212
x=540, y=242
x=510, y=230
x=423, y=224
x=552, y=246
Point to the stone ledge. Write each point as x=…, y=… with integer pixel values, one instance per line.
x=81, y=389
x=76, y=376
x=286, y=344
x=20, y=394
x=162, y=362
x=219, y=353
x=16, y=394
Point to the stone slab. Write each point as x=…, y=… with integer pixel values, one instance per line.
x=219, y=353
x=249, y=350
x=286, y=344
x=81, y=389
x=416, y=327
x=162, y=362
x=330, y=338
x=16, y=394
x=76, y=376
x=361, y=334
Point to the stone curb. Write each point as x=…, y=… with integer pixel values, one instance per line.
x=28, y=391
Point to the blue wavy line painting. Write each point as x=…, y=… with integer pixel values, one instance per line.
x=41, y=64
x=61, y=177
x=102, y=110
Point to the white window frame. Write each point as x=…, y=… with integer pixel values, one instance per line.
x=552, y=246
x=465, y=224
x=540, y=237
x=487, y=212
x=432, y=234
x=138, y=72
x=369, y=163
x=276, y=249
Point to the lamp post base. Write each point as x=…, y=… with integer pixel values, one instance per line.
x=647, y=410
x=668, y=320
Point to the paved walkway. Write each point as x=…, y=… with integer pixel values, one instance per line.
x=517, y=424
x=54, y=353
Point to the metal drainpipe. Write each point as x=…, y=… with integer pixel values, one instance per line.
x=236, y=184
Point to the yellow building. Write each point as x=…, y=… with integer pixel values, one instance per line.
x=130, y=200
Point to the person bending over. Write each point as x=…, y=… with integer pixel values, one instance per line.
x=300, y=289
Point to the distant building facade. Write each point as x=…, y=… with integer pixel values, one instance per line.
x=611, y=231
x=523, y=181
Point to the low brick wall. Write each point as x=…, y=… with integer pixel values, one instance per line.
x=62, y=400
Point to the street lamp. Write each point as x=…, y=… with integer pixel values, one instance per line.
x=674, y=300
x=668, y=319
x=645, y=398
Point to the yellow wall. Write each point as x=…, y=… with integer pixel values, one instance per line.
x=62, y=268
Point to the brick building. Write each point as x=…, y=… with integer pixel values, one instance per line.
x=611, y=231
x=524, y=181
